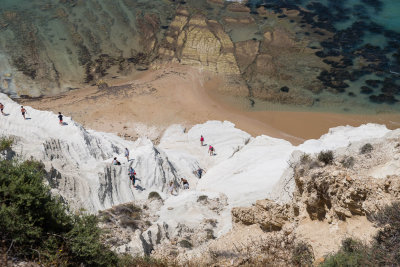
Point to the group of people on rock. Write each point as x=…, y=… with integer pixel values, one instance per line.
x=24, y=113
x=116, y=162
x=199, y=172
x=211, y=149
x=171, y=188
x=185, y=184
x=23, y=110
x=131, y=171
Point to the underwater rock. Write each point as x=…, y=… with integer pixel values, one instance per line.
x=335, y=79
x=382, y=98
x=285, y=89
x=390, y=87
x=373, y=83
x=366, y=90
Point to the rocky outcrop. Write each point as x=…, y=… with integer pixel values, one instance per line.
x=246, y=52
x=341, y=198
x=268, y=214
x=138, y=229
x=149, y=26
x=330, y=194
x=324, y=194
x=196, y=41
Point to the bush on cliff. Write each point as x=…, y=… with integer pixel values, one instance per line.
x=326, y=157
x=352, y=253
x=6, y=143
x=154, y=195
x=35, y=225
x=303, y=255
x=384, y=249
x=367, y=148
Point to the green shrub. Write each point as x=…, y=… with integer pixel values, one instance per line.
x=35, y=226
x=154, y=195
x=38, y=225
x=126, y=221
x=302, y=255
x=352, y=253
x=343, y=258
x=185, y=244
x=326, y=157
x=83, y=242
x=28, y=211
x=128, y=261
x=129, y=210
x=210, y=234
x=305, y=159
x=6, y=143
x=202, y=198
x=390, y=215
x=386, y=247
x=367, y=148
x=314, y=164
x=348, y=162
x=383, y=251
x=105, y=217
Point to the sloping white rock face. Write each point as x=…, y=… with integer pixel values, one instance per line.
x=79, y=160
x=243, y=169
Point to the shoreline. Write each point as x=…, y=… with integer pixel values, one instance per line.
x=147, y=103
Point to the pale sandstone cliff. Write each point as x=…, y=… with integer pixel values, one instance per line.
x=196, y=41
x=330, y=202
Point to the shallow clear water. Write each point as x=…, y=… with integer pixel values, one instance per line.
x=365, y=32
x=63, y=36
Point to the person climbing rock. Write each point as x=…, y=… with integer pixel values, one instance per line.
x=171, y=187
x=116, y=162
x=23, y=112
x=132, y=174
x=201, y=140
x=200, y=172
x=185, y=183
x=2, y=108
x=60, y=117
x=127, y=153
x=211, y=150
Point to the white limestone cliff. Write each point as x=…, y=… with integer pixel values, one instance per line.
x=243, y=170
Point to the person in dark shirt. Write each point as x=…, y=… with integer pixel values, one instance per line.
x=60, y=116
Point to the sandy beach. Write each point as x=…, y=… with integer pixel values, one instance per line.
x=148, y=102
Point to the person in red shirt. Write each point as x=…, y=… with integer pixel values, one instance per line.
x=201, y=140
x=211, y=150
x=23, y=112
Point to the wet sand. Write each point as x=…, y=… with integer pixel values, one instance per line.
x=147, y=103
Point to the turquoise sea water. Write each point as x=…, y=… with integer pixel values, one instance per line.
x=366, y=33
